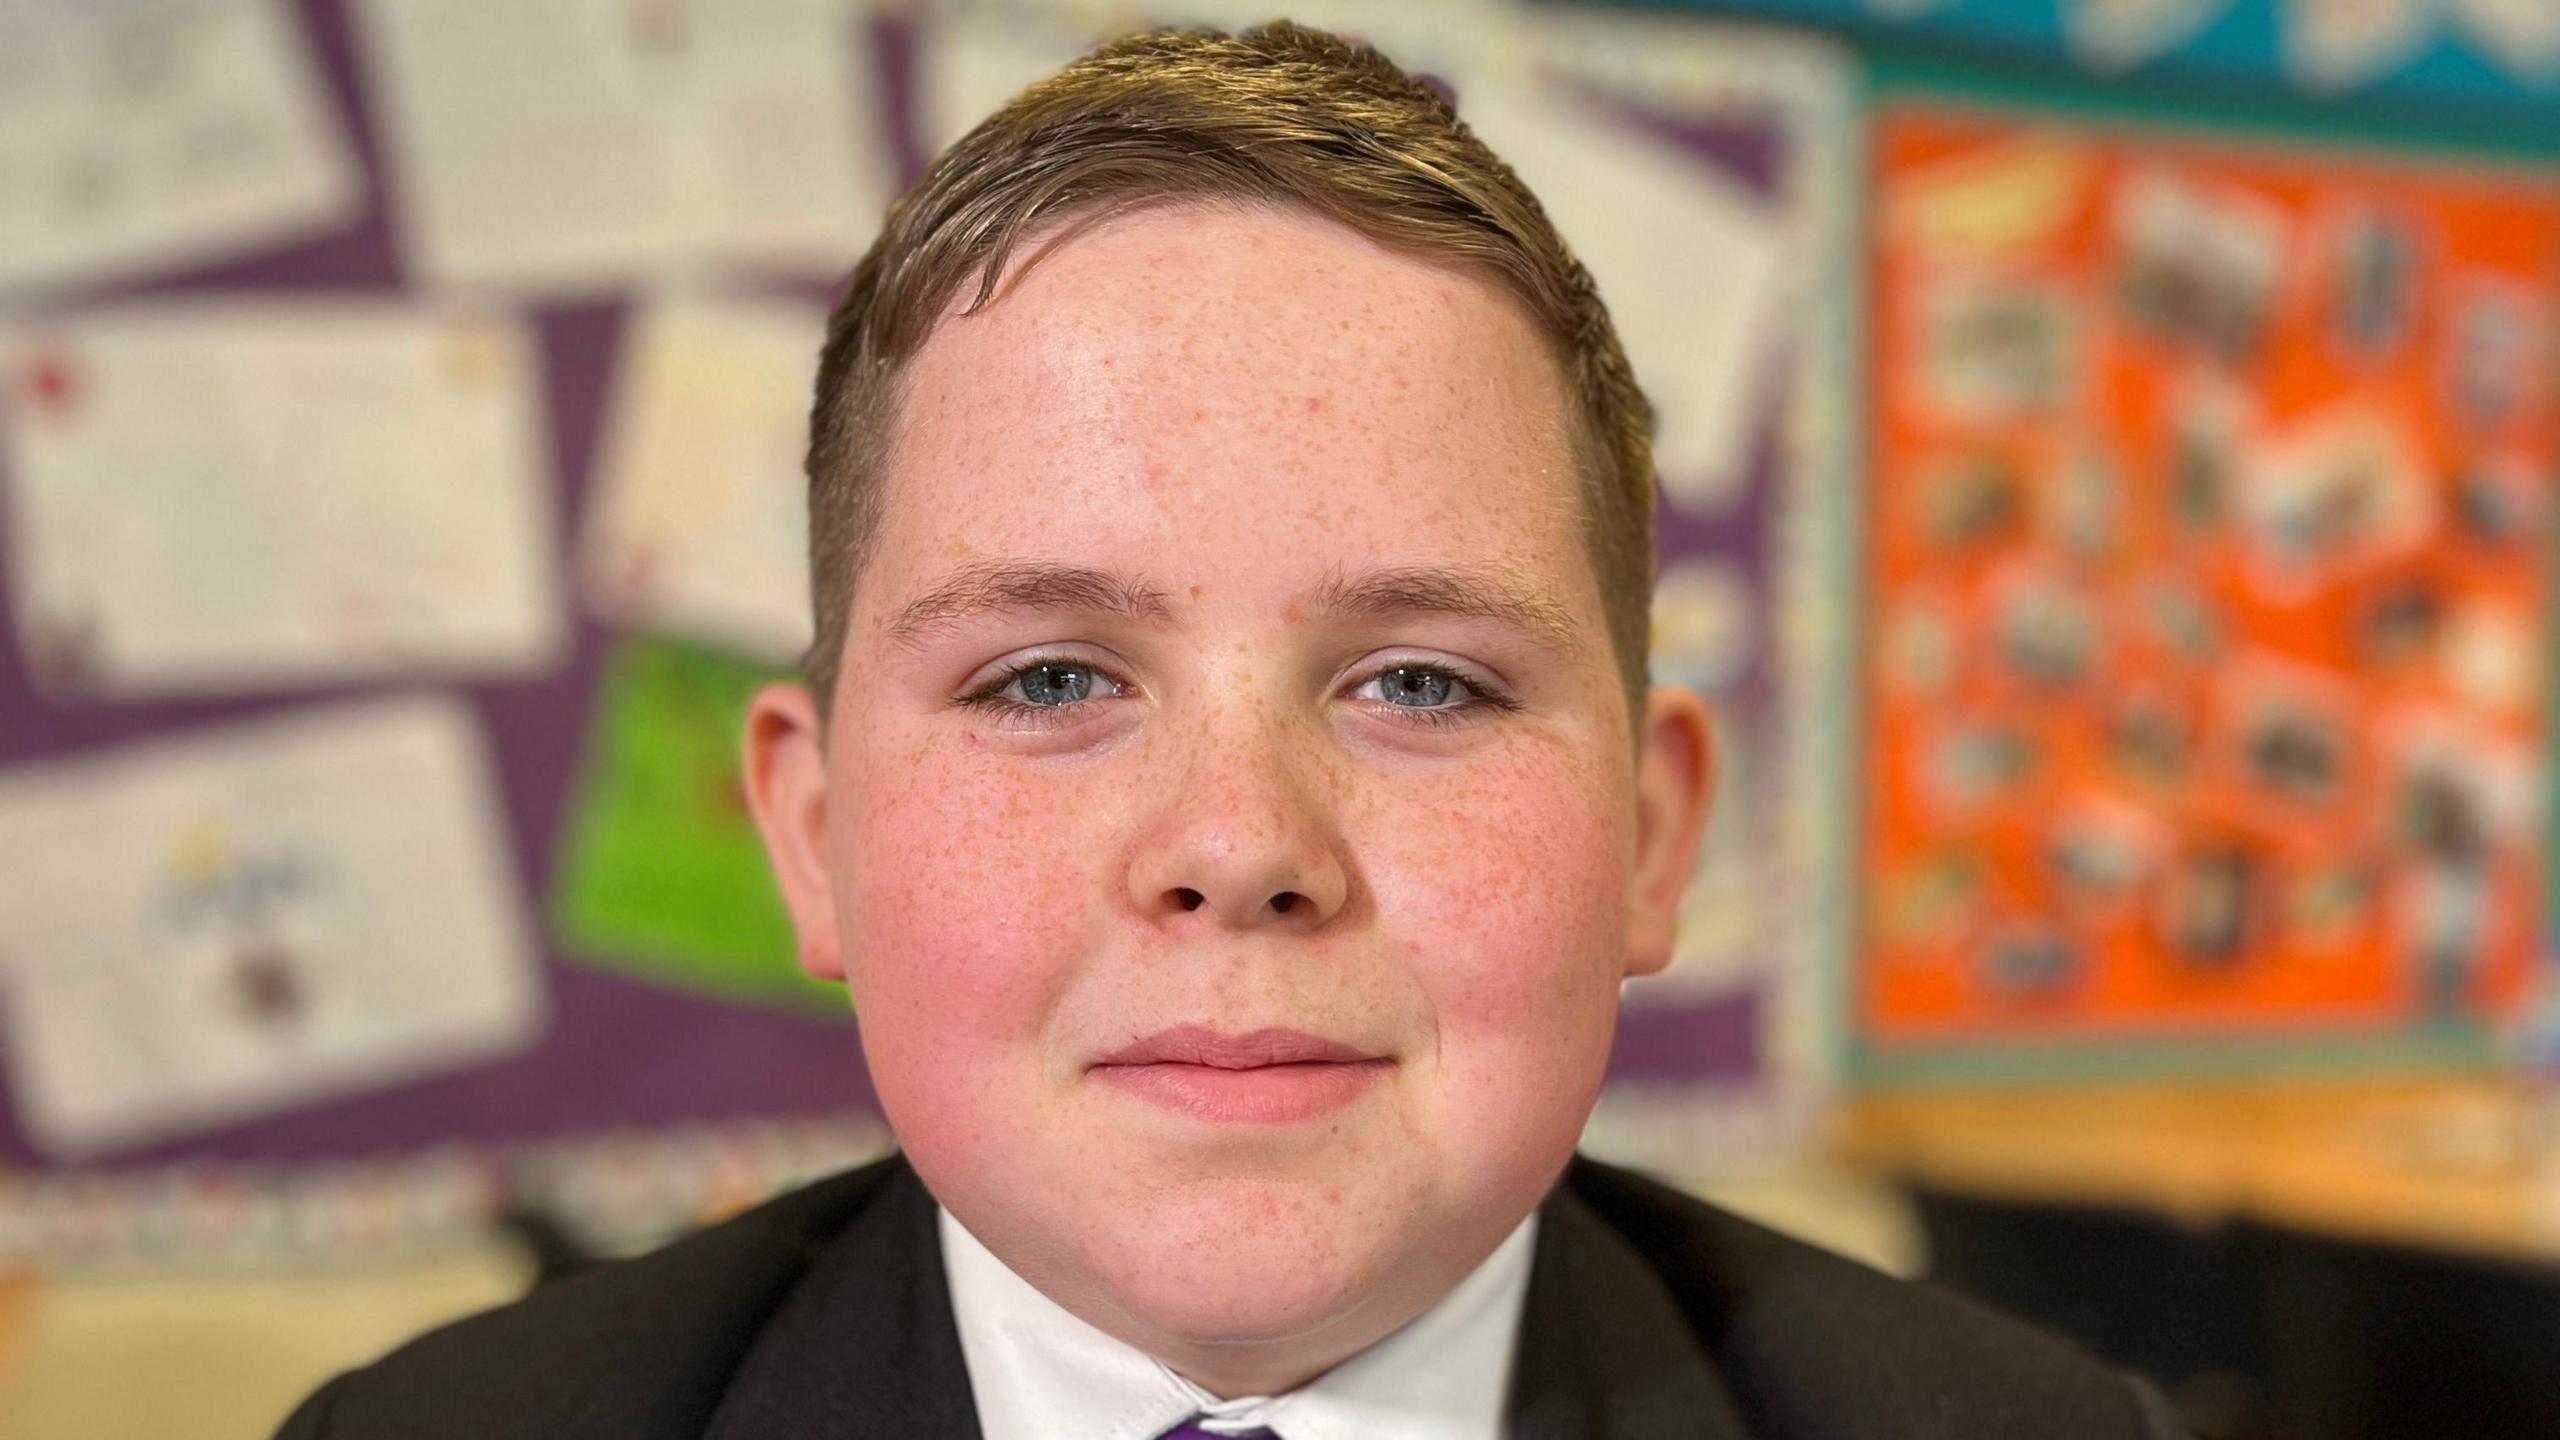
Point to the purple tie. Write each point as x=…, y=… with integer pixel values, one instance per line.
x=1188, y=1431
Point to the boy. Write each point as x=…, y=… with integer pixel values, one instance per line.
x=1228, y=786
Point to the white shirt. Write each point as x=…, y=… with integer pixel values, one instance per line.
x=1040, y=1373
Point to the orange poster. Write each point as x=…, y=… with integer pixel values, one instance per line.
x=2206, y=548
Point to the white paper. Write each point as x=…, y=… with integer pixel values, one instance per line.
x=969, y=64
x=139, y=135
x=232, y=495
x=1689, y=265
x=2005, y=198
x=567, y=146
x=700, y=523
x=2120, y=34
x=1704, y=622
x=974, y=55
x=2521, y=35
x=2340, y=44
x=203, y=928
x=1444, y=38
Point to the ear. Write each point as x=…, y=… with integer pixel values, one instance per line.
x=786, y=781
x=1675, y=778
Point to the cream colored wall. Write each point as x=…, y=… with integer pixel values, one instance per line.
x=174, y=1357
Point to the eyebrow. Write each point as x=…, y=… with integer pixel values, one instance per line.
x=1004, y=586
x=1007, y=586
x=1464, y=591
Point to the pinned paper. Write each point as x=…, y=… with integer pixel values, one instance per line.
x=1442, y=41
x=2000, y=347
x=661, y=873
x=1710, y=634
x=1689, y=265
x=701, y=521
x=2120, y=34
x=2521, y=35
x=1981, y=205
x=971, y=64
x=569, y=145
x=200, y=929
x=2340, y=44
x=141, y=136
x=230, y=495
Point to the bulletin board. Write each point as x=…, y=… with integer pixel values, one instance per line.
x=653, y=1057
x=625, y=1104
x=2208, y=568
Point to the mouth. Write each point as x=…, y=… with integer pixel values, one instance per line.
x=1264, y=1077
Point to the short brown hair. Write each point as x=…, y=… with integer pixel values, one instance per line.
x=1279, y=114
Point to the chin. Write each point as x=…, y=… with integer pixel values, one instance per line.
x=1257, y=1265
x=1252, y=1290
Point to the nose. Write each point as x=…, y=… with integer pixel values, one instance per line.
x=1245, y=837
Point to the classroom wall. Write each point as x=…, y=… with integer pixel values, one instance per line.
x=2106, y=458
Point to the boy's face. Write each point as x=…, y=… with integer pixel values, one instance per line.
x=1221, y=481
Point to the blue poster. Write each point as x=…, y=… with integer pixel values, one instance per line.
x=2477, y=60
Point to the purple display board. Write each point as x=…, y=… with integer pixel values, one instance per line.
x=622, y=1054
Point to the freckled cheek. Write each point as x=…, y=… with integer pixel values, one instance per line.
x=960, y=910
x=1516, y=916
x=1516, y=925
x=958, y=922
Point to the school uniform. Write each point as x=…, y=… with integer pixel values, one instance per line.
x=1037, y=1372
x=828, y=1314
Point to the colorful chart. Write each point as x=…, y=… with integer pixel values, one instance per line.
x=2207, y=571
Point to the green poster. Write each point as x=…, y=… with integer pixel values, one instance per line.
x=660, y=872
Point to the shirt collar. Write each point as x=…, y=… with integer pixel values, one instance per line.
x=1038, y=1372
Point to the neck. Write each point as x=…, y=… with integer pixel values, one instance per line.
x=1232, y=1371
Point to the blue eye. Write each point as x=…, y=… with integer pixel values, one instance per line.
x=1416, y=687
x=1050, y=683
x=1045, y=689
x=1043, y=685
x=1419, y=694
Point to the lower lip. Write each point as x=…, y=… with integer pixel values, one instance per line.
x=1263, y=1095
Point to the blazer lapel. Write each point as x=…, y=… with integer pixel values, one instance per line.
x=1604, y=1352
x=866, y=1345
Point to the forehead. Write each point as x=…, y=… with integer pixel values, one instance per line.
x=1213, y=394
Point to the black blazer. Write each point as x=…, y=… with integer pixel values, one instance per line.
x=824, y=1314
